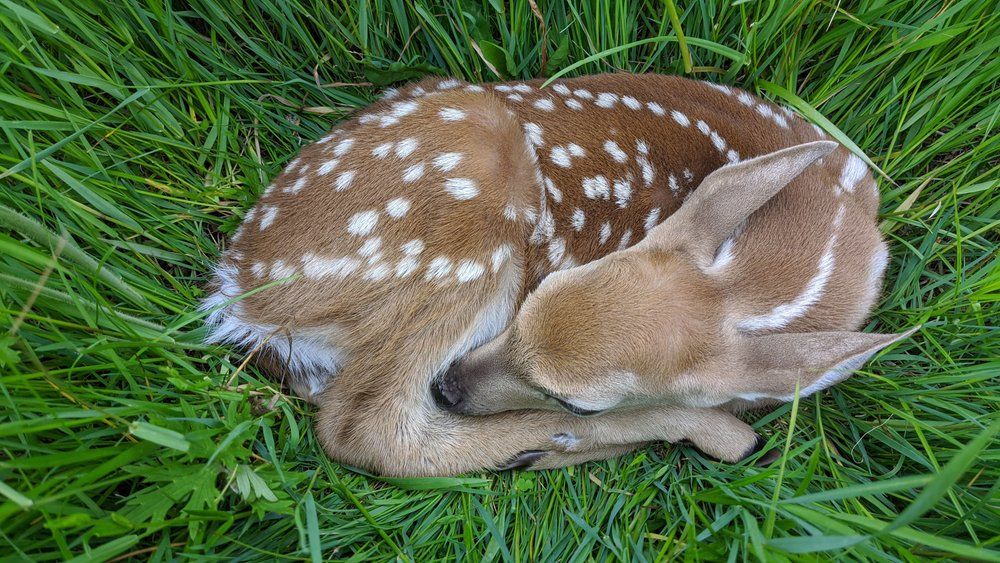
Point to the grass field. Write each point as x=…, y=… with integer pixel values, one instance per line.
x=134, y=134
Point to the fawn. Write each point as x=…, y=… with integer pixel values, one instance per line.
x=411, y=234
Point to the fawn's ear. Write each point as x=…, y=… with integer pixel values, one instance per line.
x=775, y=363
x=727, y=196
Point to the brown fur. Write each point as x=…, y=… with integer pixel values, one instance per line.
x=392, y=334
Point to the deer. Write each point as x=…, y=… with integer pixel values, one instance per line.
x=466, y=277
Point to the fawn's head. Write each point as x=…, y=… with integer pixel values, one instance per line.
x=646, y=325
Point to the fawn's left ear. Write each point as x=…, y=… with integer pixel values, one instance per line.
x=775, y=363
x=727, y=196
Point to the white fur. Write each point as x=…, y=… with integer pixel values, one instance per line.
x=631, y=103
x=605, y=232
x=656, y=108
x=451, y=114
x=723, y=258
x=500, y=255
x=583, y=94
x=557, y=248
x=576, y=150
x=413, y=247
x=561, y=89
x=606, y=100
x=653, y=218
x=406, y=147
x=267, y=216
x=398, y=207
x=615, y=151
x=533, y=132
x=344, y=180
x=468, y=270
x=597, y=187
x=413, y=173
x=327, y=166
x=554, y=192
x=362, y=223
x=382, y=150
x=438, y=268
x=343, y=146
x=560, y=157
x=574, y=104
x=461, y=188
x=544, y=104
x=447, y=161
x=406, y=266
x=625, y=240
x=682, y=119
x=578, y=219
x=854, y=171
x=623, y=192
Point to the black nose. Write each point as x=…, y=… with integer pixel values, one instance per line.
x=446, y=396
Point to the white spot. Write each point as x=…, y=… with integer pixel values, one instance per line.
x=623, y=192
x=681, y=119
x=344, y=180
x=606, y=100
x=413, y=173
x=641, y=147
x=343, y=146
x=674, y=186
x=474, y=88
x=688, y=175
x=510, y=212
x=544, y=104
x=370, y=247
x=378, y=272
x=544, y=229
x=390, y=93
x=402, y=109
x=279, y=270
x=419, y=91
x=413, y=247
x=631, y=102
x=560, y=157
x=718, y=141
x=268, y=213
x=362, y=223
x=406, y=266
x=382, y=151
x=561, y=89
x=504, y=88
x=398, y=207
x=732, y=156
x=248, y=217
x=451, y=114
x=576, y=150
x=854, y=171
x=461, y=188
x=257, y=269
x=554, y=192
x=515, y=97
x=296, y=187
x=605, y=233
x=652, y=219
x=597, y=187
x=500, y=255
x=722, y=88
x=656, y=108
x=533, y=132
x=327, y=167
x=315, y=267
x=648, y=172
x=329, y=137
x=583, y=94
x=523, y=88
x=578, y=219
x=557, y=248
x=764, y=110
x=406, y=147
x=468, y=270
x=448, y=84
x=745, y=99
x=626, y=238
x=704, y=128
x=780, y=120
x=574, y=104
x=446, y=161
x=819, y=131
x=615, y=151
x=438, y=268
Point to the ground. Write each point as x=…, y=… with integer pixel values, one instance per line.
x=135, y=134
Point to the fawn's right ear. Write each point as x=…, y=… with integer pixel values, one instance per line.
x=727, y=196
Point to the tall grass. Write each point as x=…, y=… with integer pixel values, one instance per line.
x=135, y=133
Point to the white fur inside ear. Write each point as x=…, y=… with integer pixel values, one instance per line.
x=840, y=372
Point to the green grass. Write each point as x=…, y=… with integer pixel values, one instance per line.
x=134, y=134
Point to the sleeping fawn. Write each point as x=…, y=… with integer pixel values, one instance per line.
x=410, y=236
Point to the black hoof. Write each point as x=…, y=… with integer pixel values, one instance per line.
x=522, y=460
x=767, y=459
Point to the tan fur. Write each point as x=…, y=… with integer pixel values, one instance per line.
x=362, y=327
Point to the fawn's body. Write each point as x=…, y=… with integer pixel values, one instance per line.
x=411, y=234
